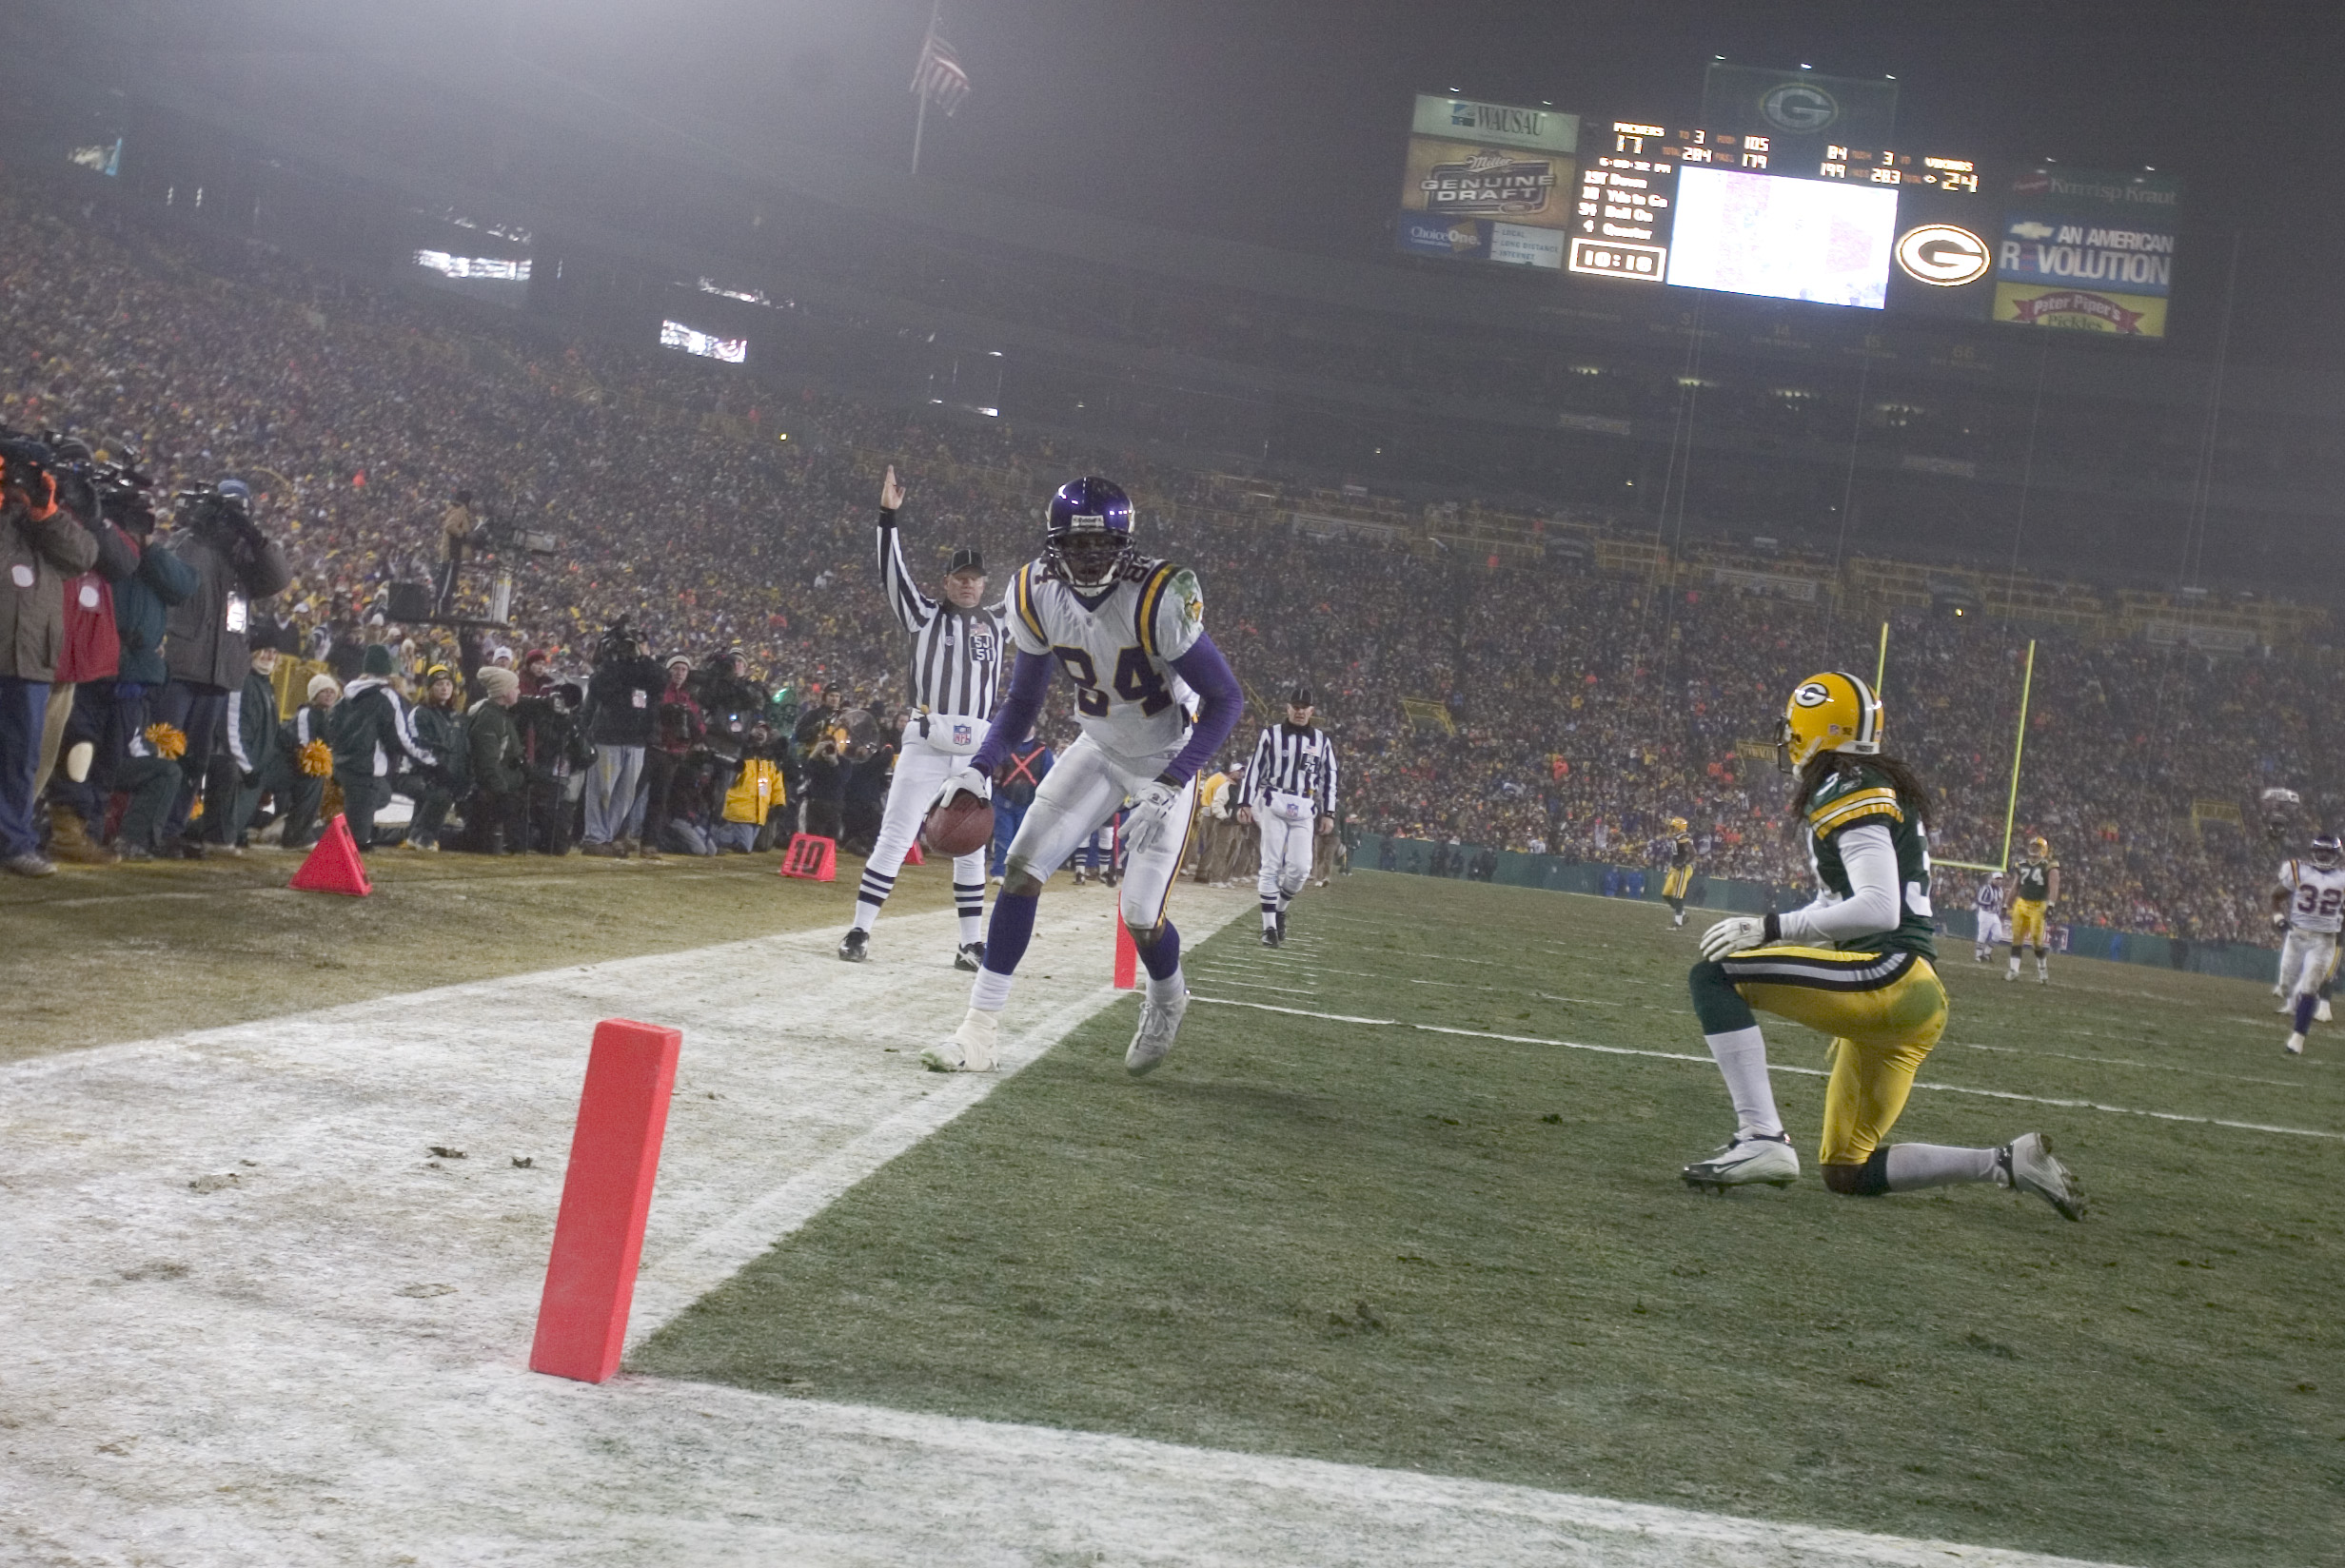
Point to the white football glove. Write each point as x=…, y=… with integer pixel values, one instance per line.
x=1145, y=824
x=1731, y=935
x=964, y=778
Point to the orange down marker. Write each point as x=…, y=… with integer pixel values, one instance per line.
x=623, y=1115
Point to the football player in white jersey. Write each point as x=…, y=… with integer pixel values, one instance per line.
x=1993, y=927
x=2308, y=904
x=1130, y=633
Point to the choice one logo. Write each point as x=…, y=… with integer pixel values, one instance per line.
x=1799, y=107
x=1943, y=256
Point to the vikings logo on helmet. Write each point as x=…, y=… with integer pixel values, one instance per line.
x=2328, y=852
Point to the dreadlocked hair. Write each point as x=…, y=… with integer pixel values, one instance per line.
x=1911, y=792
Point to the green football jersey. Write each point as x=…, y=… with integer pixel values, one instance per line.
x=1846, y=800
x=2035, y=880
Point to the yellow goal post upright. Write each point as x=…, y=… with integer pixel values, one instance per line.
x=2019, y=745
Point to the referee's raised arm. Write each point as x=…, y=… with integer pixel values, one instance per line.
x=913, y=608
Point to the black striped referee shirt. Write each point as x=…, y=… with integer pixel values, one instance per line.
x=1293, y=761
x=957, y=655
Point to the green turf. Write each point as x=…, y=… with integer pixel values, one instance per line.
x=1473, y=1256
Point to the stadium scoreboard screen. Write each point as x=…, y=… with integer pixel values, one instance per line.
x=1810, y=213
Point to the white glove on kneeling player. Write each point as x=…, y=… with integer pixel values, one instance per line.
x=964, y=778
x=1151, y=813
x=1731, y=935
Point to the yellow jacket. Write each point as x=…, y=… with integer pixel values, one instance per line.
x=756, y=789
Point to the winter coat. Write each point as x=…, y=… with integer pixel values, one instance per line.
x=441, y=731
x=36, y=556
x=681, y=725
x=370, y=730
x=493, y=746
x=142, y=608
x=308, y=723
x=254, y=738
x=620, y=696
x=755, y=790
x=92, y=638
x=207, y=645
x=553, y=746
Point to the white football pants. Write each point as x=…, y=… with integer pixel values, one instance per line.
x=2305, y=957
x=920, y=772
x=1993, y=929
x=1287, y=821
x=1084, y=788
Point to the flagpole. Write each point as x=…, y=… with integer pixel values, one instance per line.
x=920, y=120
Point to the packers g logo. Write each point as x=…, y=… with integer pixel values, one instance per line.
x=1800, y=108
x=1811, y=695
x=1943, y=256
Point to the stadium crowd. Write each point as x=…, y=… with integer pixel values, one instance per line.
x=696, y=657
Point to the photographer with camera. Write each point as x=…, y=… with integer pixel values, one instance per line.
x=40, y=546
x=555, y=759
x=207, y=654
x=621, y=713
x=92, y=652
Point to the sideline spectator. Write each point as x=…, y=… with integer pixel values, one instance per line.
x=40, y=546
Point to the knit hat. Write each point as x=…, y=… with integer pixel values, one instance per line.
x=323, y=682
x=499, y=681
x=377, y=661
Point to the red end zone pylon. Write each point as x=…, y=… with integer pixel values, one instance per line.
x=334, y=865
x=623, y=1116
x=1127, y=957
x=815, y=859
x=913, y=855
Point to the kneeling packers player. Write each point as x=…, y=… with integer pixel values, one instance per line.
x=1856, y=965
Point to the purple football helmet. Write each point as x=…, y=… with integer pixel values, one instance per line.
x=1088, y=531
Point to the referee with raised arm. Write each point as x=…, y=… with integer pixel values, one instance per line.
x=956, y=658
x=1289, y=788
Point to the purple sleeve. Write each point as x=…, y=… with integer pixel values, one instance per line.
x=1017, y=711
x=1210, y=677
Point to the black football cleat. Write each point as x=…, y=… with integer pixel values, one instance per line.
x=856, y=947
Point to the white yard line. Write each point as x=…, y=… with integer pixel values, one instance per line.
x=1775, y=1066
x=252, y=1320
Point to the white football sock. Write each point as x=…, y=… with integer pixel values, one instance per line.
x=1912, y=1167
x=2015, y=964
x=1168, y=988
x=1742, y=1056
x=991, y=991
x=2043, y=965
x=865, y=913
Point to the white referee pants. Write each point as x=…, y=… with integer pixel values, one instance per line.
x=2305, y=959
x=1287, y=821
x=1083, y=789
x=1993, y=929
x=920, y=772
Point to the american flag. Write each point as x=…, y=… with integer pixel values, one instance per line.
x=938, y=77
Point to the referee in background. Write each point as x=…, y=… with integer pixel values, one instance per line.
x=1290, y=790
x=956, y=656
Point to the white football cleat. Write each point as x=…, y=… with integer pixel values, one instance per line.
x=2285, y=1008
x=2320, y=1013
x=2026, y=1164
x=1152, y=1040
x=970, y=1047
x=2295, y=1046
x=1744, y=1160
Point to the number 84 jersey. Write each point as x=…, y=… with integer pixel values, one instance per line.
x=2316, y=896
x=1117, y=646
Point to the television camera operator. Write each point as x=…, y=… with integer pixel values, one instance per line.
x=622, y=696
x=207, y=653
x=40, y=546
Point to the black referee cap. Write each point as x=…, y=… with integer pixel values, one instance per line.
x=965, y=560
x=1300, y=696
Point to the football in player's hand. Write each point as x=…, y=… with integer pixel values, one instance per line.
x=962, y=825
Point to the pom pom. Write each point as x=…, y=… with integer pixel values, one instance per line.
x=169, y=741
x=317, y=760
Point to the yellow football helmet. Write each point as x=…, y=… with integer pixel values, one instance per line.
x=1832, y=712
x=2038, y=848
x=1677, y=824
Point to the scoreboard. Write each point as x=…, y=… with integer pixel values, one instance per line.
x=1791, y=213
x=1726, y=210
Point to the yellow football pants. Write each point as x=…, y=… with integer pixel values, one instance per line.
x=2027, y=927
x=1883, y=1011
x=1674, y=885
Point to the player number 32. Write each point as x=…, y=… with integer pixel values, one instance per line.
x=1136, y=681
